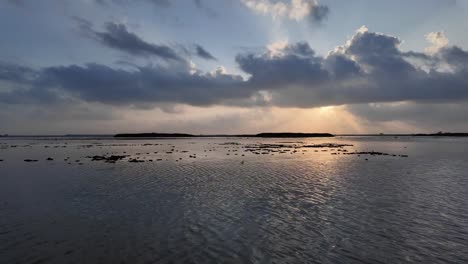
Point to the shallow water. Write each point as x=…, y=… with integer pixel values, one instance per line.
x=306, y=207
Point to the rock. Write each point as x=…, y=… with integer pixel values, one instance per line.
x=116, y=157
x=30, y=160
x=135, y=161
x=110, y=159
x=94, y=158
x=50, y=159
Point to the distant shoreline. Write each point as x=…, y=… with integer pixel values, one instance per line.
x=261, y=135
x=408, y=135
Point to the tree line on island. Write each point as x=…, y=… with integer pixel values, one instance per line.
x=260, y=135
x=278, y=135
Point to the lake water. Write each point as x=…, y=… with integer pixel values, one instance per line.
x=234, y=200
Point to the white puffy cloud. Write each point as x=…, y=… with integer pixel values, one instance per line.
x=293, y=9
x=438, y=41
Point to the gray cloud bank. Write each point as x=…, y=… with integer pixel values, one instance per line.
x=369, y=68
x=118, y=36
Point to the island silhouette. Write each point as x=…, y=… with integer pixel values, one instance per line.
x=260, y=135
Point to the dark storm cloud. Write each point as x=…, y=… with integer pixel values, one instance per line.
x=204, y=54
x=369, y=68
x=117, y=36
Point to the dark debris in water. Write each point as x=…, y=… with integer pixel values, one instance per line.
x=109, y=159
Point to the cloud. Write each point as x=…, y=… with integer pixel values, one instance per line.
x=295, y=65
x=426, y=117
x=319, y=13
x=16, y=2
x=117, y=36
x=198, y=3
x=202, y=53
x=16, y=73
x=141, y=86
x=207, y=10
x=369, y=68
x=454, y=58
x=438, y=41
x=293, y=9
x=158, y=3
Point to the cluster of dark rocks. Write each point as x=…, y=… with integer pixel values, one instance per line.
x=135, y=160
x=108, y=159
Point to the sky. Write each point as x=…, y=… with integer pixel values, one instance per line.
x=233, y=66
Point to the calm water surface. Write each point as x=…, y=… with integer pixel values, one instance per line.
x=308, y=206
